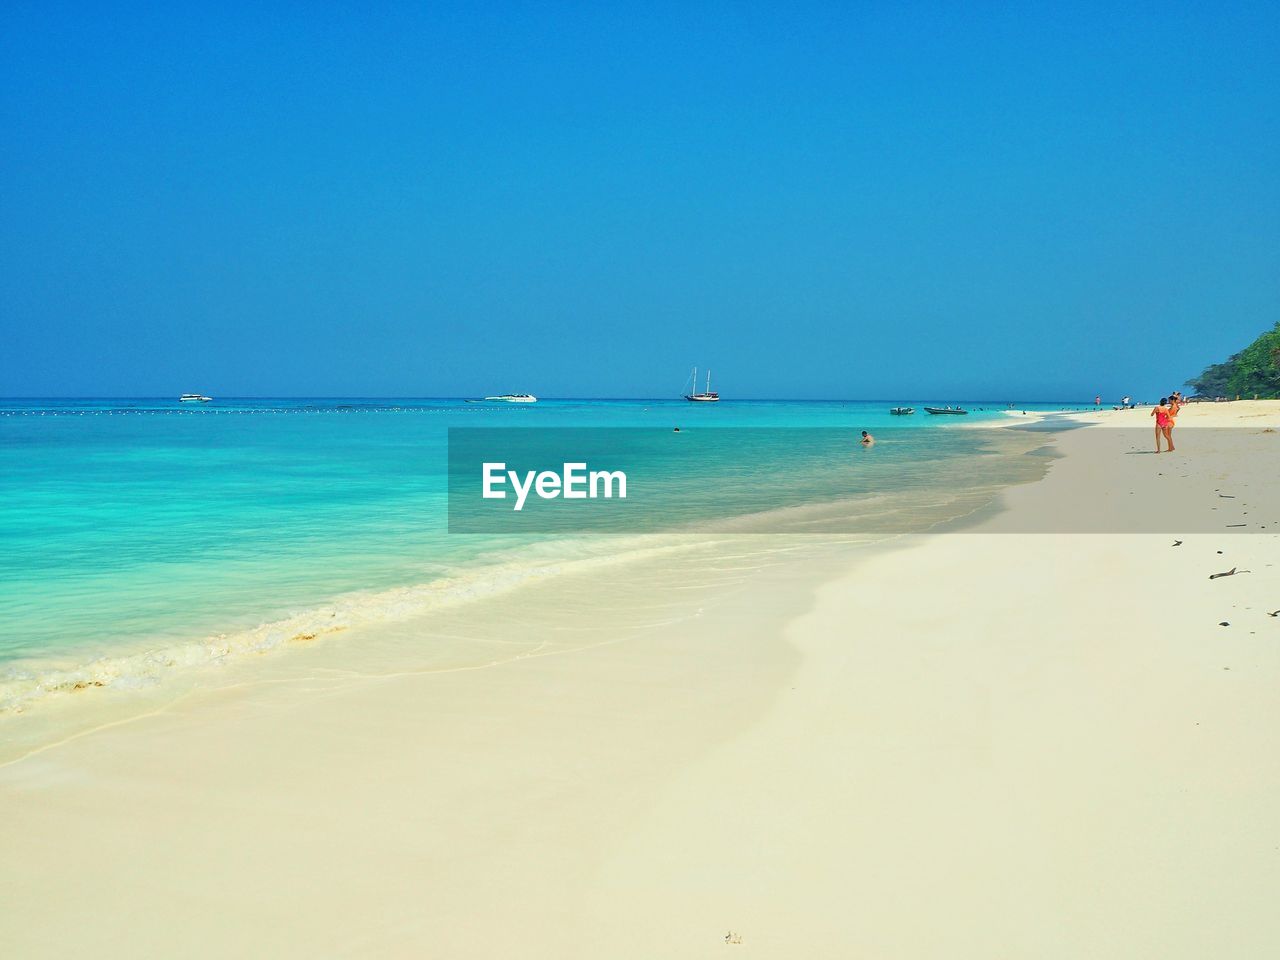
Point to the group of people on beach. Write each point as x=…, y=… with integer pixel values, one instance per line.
x=1166, y=414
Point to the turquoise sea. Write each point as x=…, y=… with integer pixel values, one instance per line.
x=131, y=526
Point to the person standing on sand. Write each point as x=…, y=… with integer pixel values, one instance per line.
x=1175, y=405
x=1164, y=424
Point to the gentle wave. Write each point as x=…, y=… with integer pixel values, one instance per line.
x=23, y=686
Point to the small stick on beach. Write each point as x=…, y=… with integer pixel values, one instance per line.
x=1230, y=573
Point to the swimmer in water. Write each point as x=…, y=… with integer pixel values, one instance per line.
x=867, y=439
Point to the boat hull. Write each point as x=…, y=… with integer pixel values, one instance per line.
x=942, y=411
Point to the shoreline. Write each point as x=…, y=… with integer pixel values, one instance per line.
x=171, y=663
x=957, y=745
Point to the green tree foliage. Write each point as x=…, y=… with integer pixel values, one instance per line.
x=1254, y=370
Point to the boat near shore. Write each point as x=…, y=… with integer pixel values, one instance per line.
x=508, y=398
x=902, y=411
x=193, y=398
x=952, y=411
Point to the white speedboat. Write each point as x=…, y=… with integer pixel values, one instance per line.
x=509, y=398
x=193, y=398
x=707, y=396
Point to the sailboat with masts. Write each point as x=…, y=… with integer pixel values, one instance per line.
x=707, y=396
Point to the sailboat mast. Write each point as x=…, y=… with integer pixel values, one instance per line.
x=708, y=380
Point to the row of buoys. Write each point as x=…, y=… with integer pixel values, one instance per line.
x=199, y=413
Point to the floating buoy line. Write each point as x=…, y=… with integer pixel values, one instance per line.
x=473, y=410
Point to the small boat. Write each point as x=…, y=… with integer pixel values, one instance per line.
x=707, y=396
x=193, y=398
x=902, y=411
x=954, y=411
x=509, y=398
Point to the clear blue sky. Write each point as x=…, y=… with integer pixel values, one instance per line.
x=825, y=200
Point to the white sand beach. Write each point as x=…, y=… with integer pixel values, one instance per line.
x=978, y=744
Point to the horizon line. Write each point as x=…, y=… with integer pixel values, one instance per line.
x=541, y=398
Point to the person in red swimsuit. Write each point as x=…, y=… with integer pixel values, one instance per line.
x=1164, y=424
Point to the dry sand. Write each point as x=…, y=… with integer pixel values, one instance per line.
x=981, y=744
